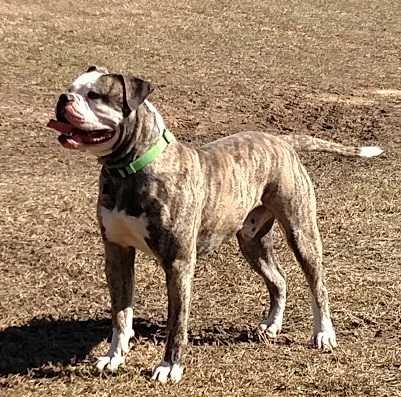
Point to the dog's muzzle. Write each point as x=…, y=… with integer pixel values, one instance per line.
x=68, y=124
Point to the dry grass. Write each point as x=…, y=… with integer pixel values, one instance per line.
x=221, y=67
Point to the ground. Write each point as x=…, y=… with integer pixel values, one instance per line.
x=330, y=69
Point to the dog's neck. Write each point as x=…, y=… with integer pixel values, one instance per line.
x=138, y=133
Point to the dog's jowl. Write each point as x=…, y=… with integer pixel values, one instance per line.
x=176, y=202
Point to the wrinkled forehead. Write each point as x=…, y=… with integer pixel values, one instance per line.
x=98, y=81
x=85, y=81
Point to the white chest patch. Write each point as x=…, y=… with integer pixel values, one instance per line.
x=125, y=230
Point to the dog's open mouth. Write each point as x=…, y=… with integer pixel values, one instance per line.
x=72, y=138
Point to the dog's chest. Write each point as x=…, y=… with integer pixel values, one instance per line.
x=125, y=230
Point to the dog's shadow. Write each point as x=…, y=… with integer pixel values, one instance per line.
x=45, y=347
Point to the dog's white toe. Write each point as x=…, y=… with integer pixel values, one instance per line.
x=109, y=363
x=165, y=371
x=271, y=330
x=102, y=363
x=325, y=340
x=115, y=362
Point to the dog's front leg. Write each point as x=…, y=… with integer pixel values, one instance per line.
x=120, y=280
x=179, y=276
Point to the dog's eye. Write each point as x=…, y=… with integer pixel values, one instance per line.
x=93, y=95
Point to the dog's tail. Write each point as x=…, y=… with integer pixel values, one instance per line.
x=306, y=143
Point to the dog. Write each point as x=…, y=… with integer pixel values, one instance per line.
x=176, y=202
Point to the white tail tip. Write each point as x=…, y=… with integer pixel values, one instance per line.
x=370, y=151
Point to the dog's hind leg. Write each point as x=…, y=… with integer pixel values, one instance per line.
x=295, y=209
x=258, y=251
x=120, y=280
x=305, y=243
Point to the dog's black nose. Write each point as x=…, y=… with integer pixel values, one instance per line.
x=64, y=98
x=62, y=101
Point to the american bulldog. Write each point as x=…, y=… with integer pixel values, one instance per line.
x=176, y=202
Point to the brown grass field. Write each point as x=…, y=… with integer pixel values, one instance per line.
x=330, y=69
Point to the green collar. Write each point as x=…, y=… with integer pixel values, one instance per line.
x=142, y=161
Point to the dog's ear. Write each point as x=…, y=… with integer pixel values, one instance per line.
x=135, y=91
x=93, y=68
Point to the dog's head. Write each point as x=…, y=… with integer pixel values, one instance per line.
x=93, y=111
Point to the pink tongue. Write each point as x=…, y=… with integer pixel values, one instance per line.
x=73, y=143
x=70, y=142
x=59, y=126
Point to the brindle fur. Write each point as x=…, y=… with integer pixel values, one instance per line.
x=195, y=198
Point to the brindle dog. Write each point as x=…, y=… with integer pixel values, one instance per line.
x=187, y=201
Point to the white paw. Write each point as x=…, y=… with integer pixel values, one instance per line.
x=324, y=340
x=165, y=371
x=118, y=348
x=271, y=330
x=109, y=363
